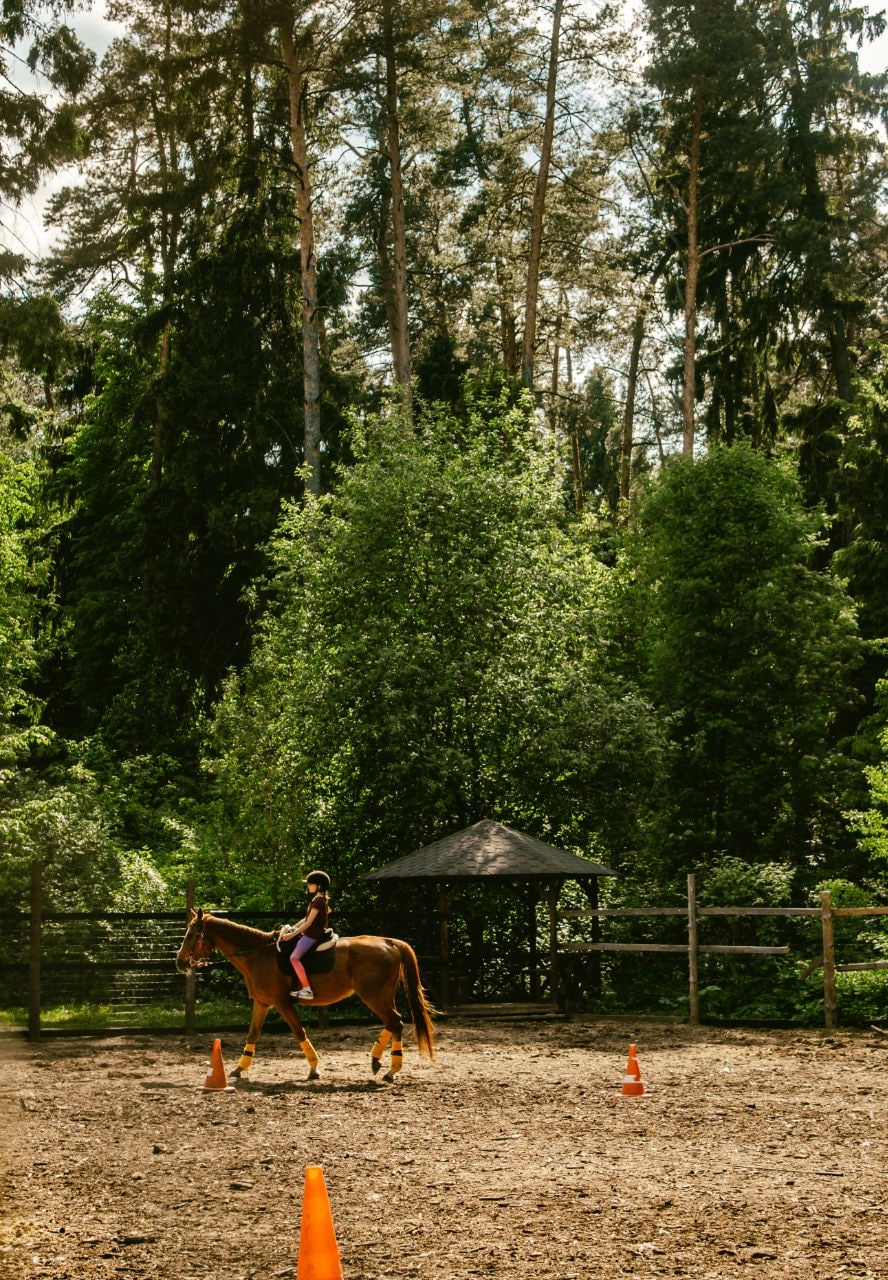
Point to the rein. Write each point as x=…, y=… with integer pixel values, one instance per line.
x=245, y=951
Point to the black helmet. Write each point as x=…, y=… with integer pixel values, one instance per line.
x=320, y=878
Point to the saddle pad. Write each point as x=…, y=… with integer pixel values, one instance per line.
x=320, y=959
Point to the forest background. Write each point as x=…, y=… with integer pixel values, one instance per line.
x=446, y=410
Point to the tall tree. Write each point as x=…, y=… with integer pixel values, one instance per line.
x=431, y=656
x=750, y=651
x=164, y=530
x=531, y=301
x=39, y=130
x=311, y=368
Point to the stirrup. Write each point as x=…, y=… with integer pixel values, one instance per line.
x=305, y=993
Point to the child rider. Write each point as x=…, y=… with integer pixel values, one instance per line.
x=311, y=928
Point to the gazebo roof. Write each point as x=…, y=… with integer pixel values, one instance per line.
x=489, y=849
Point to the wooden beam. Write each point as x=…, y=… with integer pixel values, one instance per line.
x=830, y=1001
x=693, y=956
x=444, y=899
x=553, y=891
x=191, y=976
x=34, y=949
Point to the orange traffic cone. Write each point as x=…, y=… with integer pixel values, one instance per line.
x=633, y=1085
x=216, y=1080
x=318, y=1250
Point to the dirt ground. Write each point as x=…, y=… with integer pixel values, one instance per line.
x=513, y=1155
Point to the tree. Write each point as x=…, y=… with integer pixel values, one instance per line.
x=750, y=653
x=708, y=75
x=861, y=498
x=293, y=56
x=833, y=156
x=20, y=577
x=430, y=657
x=39, y=130
x=539, y=204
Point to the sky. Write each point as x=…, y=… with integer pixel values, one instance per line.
x=24, y=229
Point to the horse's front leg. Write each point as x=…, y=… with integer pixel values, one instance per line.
x=260, y=1012
x=288, y=1013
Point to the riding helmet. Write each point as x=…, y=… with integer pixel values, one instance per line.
x=320, y=878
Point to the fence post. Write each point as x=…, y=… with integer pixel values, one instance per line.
x=35, y=942
x=190, y=977
x=553, y=893
x=444, y=898
x=830, y=1000
x=693, y=974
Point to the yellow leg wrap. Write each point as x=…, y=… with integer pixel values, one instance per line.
x=308, y=1049
x=379, y=1047
x=247, y=1057
x=397, y=1060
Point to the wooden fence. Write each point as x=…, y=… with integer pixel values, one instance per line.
x=826, y=913
x=126, y=959
x=123, y=961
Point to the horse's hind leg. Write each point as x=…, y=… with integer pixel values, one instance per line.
x=260, y=1012
x=391, y=1033
x=379, y=1048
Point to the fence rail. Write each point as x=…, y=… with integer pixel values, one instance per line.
x=125, y=960
x=826, y=912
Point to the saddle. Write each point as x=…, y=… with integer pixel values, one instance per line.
x=319, y=960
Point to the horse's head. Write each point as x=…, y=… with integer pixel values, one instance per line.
x=196, y=948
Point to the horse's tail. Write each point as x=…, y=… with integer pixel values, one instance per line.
x=420, y=1009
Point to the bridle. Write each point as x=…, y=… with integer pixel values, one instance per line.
x=196, y=959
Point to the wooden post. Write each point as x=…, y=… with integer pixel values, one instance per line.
x=190, y=979
x=34, y=949
x=444, y=941
x=591, y=888
x=830, y=1002
x=693, y=975
x=553, y=892
x=532, y=897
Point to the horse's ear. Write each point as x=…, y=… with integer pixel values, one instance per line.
x=199, y=914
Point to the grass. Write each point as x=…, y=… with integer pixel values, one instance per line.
x=215, y=1012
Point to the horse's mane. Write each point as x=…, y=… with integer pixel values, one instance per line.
x=222, y=925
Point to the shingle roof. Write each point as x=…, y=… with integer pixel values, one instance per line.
x=489, y=849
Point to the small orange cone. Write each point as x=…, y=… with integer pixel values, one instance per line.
x=633, y=1085
x=216, y=1080
x=318, y=1250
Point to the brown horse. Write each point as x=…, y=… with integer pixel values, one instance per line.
x=366, y=966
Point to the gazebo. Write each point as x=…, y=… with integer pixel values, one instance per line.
x=490, y=851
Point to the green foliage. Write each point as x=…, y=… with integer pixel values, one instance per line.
x=60, y=815
x=39, y=129
x=750, y=652
x=432, y=658
x=21, y=575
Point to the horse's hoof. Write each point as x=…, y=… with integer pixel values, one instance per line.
x=389, y=1077
x=314, y=1075
x=375, y=1064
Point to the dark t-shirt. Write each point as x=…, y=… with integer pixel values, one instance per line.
x=318, y=925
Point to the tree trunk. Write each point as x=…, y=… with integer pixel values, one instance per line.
x=692, y=275
x=400, y=330
x=311, y=363
x=170, y=225
x=531, y=301
x=627, y=429
x=508, y=336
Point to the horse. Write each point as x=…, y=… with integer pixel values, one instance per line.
x=366, y=966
